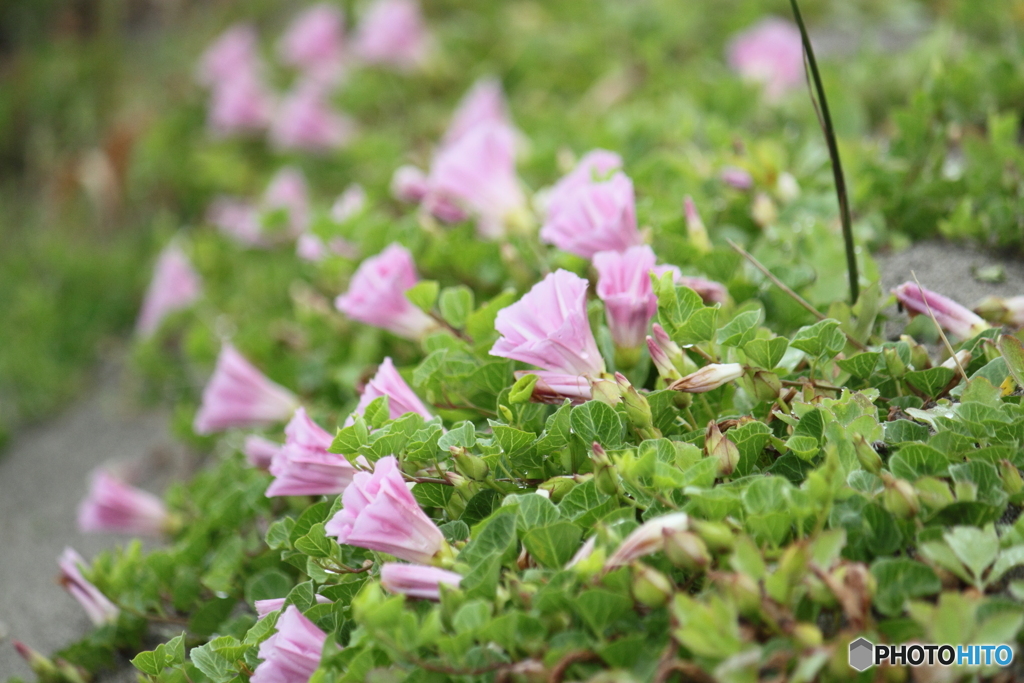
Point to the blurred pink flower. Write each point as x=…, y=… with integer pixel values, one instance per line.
x=175, y=285
x=237, y=219
x=96, y=605
x=549, y=328
x=292, y=654
x=392, y=32
x=315, y=43
x=417, y=580
x=951, y=316
x=113, y=506
x=409, y=184
x=242, y=104
x=596, y=216
x=647, y=539
x=770, y=52
x=306, y=121
x=239, y=395
x=624, y=285
x=376, y=295
x=710, y=291
x=380, y=513
x=310, y=247
x=477, y=174
x=265, y=607
x=288, y=192
x=303, y=467
x=234, y=52
x=736, y=177
x=260, y=452
x=594, y=166
x=484, y=102
x=401, y=398
x=349, y=203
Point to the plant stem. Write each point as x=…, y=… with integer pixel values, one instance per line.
x=833, y=150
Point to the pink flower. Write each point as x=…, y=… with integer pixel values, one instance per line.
x=477, y=174
x=379, y=513
x=736, y=177
x=1008, y=311
x=951, y=316
x=96, y=605
x=597, y=216
x=549, y=328
x=624, y=285
x=409, y=184
x=303, y=467
x=483, y=103
x=648, y=538
x=113, y=506
x=240, y=105
x=596, y=165
x=236, y=51
x=417, y=580
x=239, y=395
x=306, y=121
x=243, y=221
x=315, y=42
x=260, y=452
x=771, y=53
x=310, y=247
x=292, y=654
x=401, y=398
x=708, y=378
x=288, y=192
x=392, y=32
x=376, y=294
x=555, y=387
x=349, y=203
x=237, y=219
x=710, y=291
x=175, y=285
x=265, y=607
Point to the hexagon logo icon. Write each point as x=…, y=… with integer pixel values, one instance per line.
x=862, y=654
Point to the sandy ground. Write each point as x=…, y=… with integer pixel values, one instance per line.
x=43, y=475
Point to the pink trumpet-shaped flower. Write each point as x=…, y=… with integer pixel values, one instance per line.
x=234, y=52
x=401, y=398
x=770, y=53
x=409, y=184
x=484, y=103
x=624, y=285
x=265, y=607
x=260, y=452
x=310, y=247
x=597, y=216
x=315, y=43
x=305, y=121
x=380, y=513
x=951, y=316
x=243, y=104
x=392, y=32
x=175, y=285
x=1008, y=311
x=303, y=467
x=594, y=166
x=549, y=328
x=648, y=538
x=477, y=173
x=555, y=387
x=239, y=395
x=292, y=654
x=710, y=291
x=376, y=294
x=96, y=605
x=417, y=580
x=113, y=506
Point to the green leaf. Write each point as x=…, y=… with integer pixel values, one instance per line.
x=432, y=494
x=456, y=304
x=149, y=663
x=455, y=531
x=480, y=323
x=377, y=413
x=860, y=365
x=597, y=421
x=904, y=431
x=740, y=329
x=1012, y=351
x=975, y=548
x=208, y=618
x=266, y=584
x=312, y=515
x=213, y=664
x=766, y=353
x=534, y=511
x=823, y=338
x=522, y=390
x=553, y=545
x=899, y=580
x=315, y=543
x=423, y=295
x=914, y=461
x=480, y=506
x=516, y=444
x=931, y=381
x=279, y=532
x=599, y=608
x=463, y=434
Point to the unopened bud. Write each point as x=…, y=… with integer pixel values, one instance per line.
x=455, y=479
x=506, y=414
x=963, y=358
x=1012, y=481
x=638, y=410
x=605, y=476
x=40, y=665
x=687, y=550
x=743, y=590
x=899, y=497
x=966, y=491
x=763, y=210
x=893, y=363
x=933, y=493
x=558, y=487
x=866, y=454
x=766, y=385
x=472, y=466
x=1000, y=311
x=717, y=535
x=695, y=229
x=675, y=354
x=721, y=448
x=918, y=353
x=650, y=587
x=605, y=390
x=666, y=370
x=708, y=378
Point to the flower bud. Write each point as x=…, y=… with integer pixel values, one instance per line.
x=687, y=550
x=506, y=414
x=966, y=491
x=695, y=229
x=638, y=410
x=558, y=487
x=708, y=378
x=605, y=390
x=963, y=358
x=717, y=535
x=666, y=370
x=918, y=353
x=807, y=635
x=899, y=497
x=472, y=466
x=721, y=448
x=866, y=454
x=650, y=587
x=605, y=476
x=766, y=385
x=1012, y=481
x=40, y=665
x=893, y=363
x=1002, y=311
x=950, y=315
